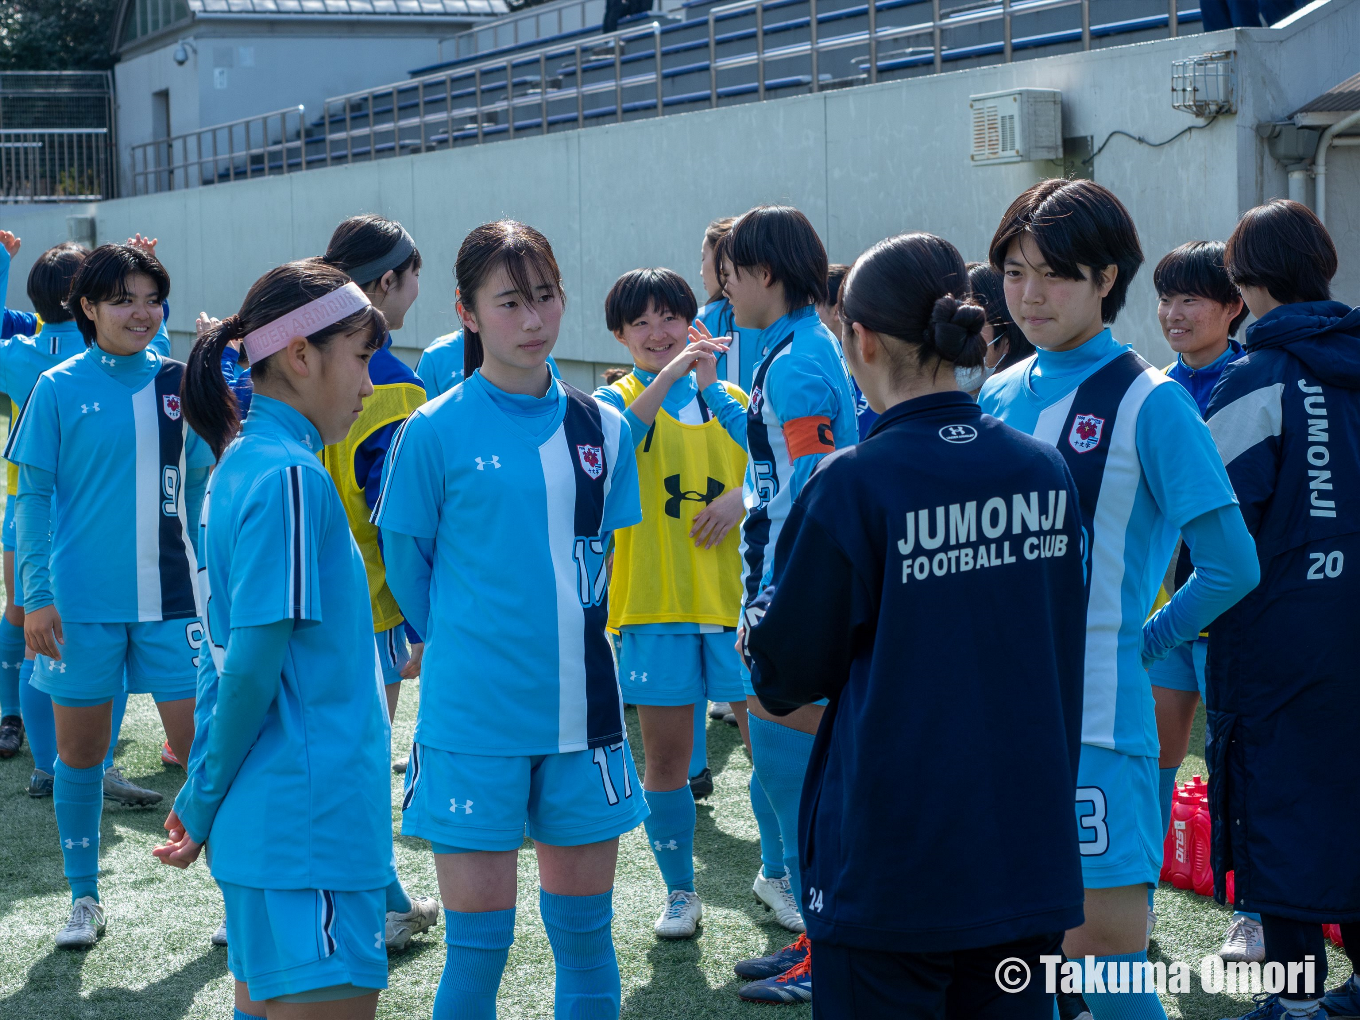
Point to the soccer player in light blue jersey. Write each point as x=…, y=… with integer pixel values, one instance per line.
x=290, y=691
x=110, y=480
x=497, y=507
x=802, y=408
x=22, y=360
x=1146, y=468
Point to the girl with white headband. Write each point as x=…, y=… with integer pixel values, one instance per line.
x=109, y=485
x=291, y=693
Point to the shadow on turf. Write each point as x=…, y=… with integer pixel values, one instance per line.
x=52, y=990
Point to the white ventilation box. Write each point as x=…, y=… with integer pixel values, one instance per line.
x=1017, y=126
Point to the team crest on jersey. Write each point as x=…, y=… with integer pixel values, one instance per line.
x=592, y=460
x=756, y=399
x=1086, y=432
x=170, y=403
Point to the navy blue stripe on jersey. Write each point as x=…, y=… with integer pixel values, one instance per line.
x=585, y=441
x=757, y=528
x=705, y=414
x=393, y=452
x=296, y=574
x=413, y=776
x=177, y=586
x=14, y=425
x=327, y=923
x=1096, y=401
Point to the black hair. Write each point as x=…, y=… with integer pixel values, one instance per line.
x=989, y=291
x=914, y=287
x=210, y=407
x=521, y=250
x=1196, y=269
x=1283, y=247
x=636, y=289
x=1074, y=223
x=360, y=240
x=717, y=230
x=103, y=276
x=49, y=281
x=780, y=239
x=835, y=276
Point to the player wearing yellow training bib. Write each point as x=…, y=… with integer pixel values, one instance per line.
x=676, y=590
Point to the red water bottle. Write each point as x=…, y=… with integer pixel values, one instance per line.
x=1333, y=932
x=1203, y=871
x=1178, y=851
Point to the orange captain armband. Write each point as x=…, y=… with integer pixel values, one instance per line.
x=808, y=436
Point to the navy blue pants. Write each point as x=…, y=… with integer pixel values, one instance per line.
x=867, y=984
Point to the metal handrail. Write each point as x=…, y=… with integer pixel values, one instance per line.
x=55, y=165
x=475, y=95
x=167, y=164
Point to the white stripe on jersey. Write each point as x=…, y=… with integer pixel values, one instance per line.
x=1249, y=419
x=295, y=506
x=559, y=484
x=1048, y=428
x=1105, y=611
x=183, y=513
x=148, y=499
x=203, y=590
x=612, y=427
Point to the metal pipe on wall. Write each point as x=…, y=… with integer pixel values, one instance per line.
x=1320, y=162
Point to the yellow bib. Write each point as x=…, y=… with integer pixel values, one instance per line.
x=660, y=576
x=389, y=403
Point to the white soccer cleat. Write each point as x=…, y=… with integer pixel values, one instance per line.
x=85, y=926
x=1245, y=941
x=777, y=896
x=681, y=916
x=219, y=937
x=401, y=928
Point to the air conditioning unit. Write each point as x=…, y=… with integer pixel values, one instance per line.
x=1017, y=126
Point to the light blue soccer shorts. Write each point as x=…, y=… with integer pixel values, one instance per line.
x=1118, y=818
x=160, y=659
x=284, y=942
x=679, y=669
x=1183, y=669
x=394, y=652
x=479, y=802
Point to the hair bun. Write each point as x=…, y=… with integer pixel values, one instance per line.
x=953, y=324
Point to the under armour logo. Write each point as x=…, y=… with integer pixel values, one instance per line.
x=105, y=360
x=677, y=495
x=307, y=440
x=10, y=665
x=72, y=844
x=378, y=940
x=672, y=845
x=85, y=408
x=634, y=678
x=56, y=667
x=495, y=462
x=454, y=806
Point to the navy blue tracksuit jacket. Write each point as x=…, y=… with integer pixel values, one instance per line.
x=932, y=587
x=1283, y=676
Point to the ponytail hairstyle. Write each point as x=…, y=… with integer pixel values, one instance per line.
x=368, y=246
x=103, y=276
x=210, y=407
x=522, y=251
x=717, y=230
x=914, y=288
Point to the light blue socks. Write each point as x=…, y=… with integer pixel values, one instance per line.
x=396, y=897
x=479, y=945
x=767, y=823
x=116, y=724
x=1124, y=1004
x=11, y=661
x=78, y=797
x=588, y=986
x=39, y=726
x=698, y=755
x=781, y=757
x=670, y=831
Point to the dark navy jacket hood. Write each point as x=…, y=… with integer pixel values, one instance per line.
x=1324, y=335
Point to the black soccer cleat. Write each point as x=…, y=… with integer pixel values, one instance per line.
x=702, y=784
x=12, y=736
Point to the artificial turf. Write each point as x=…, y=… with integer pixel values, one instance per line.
x=155, y=962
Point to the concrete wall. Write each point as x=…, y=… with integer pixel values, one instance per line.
x=862, y=163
